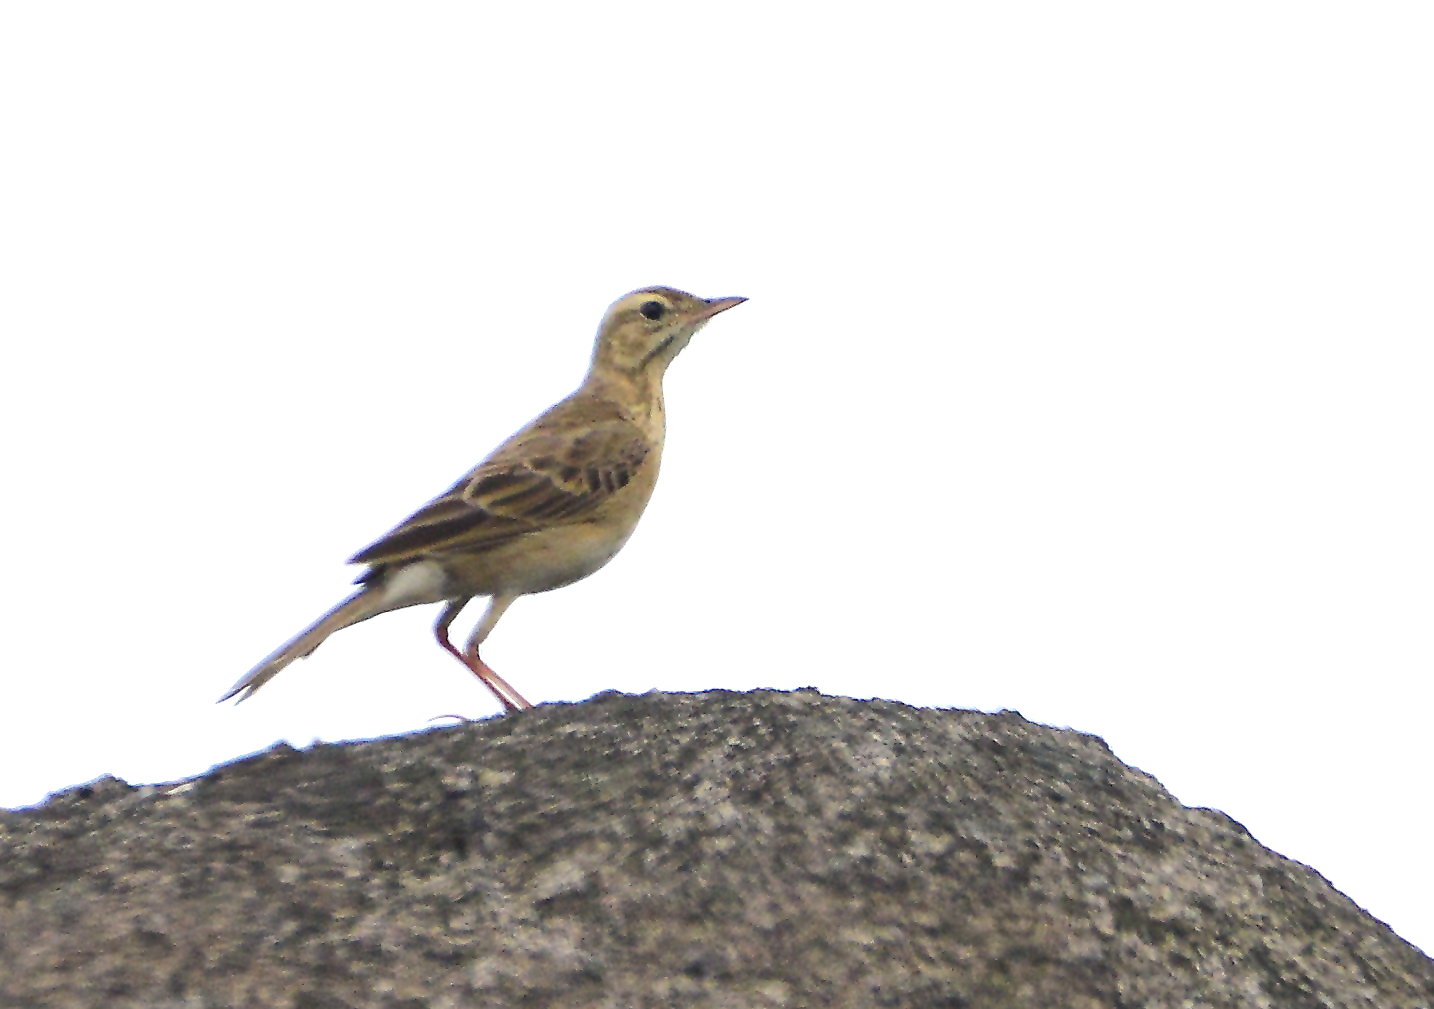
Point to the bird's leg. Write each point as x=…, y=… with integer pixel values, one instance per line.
x=507, y=696
x=496, y=608
x=445, y=621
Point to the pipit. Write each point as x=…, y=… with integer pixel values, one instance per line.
x=548, y=507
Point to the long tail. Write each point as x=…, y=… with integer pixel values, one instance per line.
x=361, y=605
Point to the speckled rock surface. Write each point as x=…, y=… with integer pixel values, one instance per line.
x=707, y=850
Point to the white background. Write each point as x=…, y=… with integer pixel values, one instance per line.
x=1086, y=372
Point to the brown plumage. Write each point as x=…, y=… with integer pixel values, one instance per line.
x=550, y=506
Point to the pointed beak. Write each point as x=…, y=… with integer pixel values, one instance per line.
x=716, y=305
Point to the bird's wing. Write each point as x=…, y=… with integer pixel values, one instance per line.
x=555, y=471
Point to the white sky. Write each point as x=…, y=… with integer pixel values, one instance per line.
x=1086, y=372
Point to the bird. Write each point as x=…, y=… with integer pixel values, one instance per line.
x=548, y=507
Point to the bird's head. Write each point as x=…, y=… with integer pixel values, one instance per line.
x=643, y=331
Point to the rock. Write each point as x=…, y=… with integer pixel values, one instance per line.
x=704, y=850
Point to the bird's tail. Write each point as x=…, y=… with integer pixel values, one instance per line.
x=361, y=605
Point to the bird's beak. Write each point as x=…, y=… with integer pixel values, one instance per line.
x=716, y=305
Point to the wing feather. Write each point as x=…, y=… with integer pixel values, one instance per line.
x=558, y=469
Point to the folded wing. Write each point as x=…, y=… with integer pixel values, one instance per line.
x=558, y=470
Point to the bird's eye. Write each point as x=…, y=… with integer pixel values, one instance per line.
x=652, y=309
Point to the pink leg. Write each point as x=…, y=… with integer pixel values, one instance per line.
x=507, y=696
